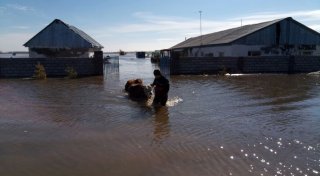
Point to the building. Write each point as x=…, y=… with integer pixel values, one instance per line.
x=141, y=54
x=281, y=37
x=61, y=40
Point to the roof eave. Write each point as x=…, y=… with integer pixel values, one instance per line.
x=200, y=46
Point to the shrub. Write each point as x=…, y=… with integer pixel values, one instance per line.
x=40, y=72
x=71, y=73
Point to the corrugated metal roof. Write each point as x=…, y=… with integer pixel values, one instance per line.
x=61, y=35
x=224, y=37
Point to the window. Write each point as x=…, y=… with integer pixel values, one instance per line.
x=307, y=47
x=254, y=53
x=221, y=54
x=209, y=55
x=307, y=53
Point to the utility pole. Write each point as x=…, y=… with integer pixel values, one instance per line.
x=200, y=47
x=200, y=12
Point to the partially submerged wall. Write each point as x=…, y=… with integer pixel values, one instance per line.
x=213, y=65
x=55, y=67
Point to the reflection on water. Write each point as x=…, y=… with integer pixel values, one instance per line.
x=212, y=125
x=161, y=124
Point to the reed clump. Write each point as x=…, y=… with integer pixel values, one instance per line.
x=71, y=73
x=40, y=72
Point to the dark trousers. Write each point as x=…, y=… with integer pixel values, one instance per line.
x=160, y=99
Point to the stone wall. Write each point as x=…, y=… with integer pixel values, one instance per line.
x=55, y=67
x=212, y=65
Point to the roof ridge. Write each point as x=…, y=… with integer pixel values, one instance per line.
x=248, y=25
x=84, y=35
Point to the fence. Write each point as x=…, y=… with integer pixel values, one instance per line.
x=55, y=67
x=213, y=65
x=111, y=67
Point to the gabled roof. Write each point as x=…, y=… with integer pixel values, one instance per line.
x=226, y=36
x=61, y=35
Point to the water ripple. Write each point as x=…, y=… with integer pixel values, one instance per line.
x=212, y=125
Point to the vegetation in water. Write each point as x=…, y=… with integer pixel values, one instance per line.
x=71, y=73
x=40, y=72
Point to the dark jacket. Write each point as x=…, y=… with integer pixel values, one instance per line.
x=162, y=85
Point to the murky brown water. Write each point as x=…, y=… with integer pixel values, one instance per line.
x=238, y=125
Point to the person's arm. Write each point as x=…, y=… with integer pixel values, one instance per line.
x=154, y=83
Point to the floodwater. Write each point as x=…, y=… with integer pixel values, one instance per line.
x=14, y=55
x=212, y=125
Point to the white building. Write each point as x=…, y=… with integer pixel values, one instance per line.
x=281, y=37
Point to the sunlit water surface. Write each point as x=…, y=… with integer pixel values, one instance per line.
x=233, y=125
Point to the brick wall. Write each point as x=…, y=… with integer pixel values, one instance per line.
x=55, y=67
x=212, y=65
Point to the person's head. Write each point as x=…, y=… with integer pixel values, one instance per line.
x=156, y=73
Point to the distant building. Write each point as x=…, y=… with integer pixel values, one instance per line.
x=281, y=37
x=141, y=54
x=59, y=39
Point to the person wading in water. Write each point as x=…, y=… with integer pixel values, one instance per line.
x=161, y=88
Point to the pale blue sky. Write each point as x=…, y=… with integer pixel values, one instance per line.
x=144, y=24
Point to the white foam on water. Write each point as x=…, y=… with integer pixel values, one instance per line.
x=171, y=102
x=174, y=101
x=236, y=74
x=149, y=101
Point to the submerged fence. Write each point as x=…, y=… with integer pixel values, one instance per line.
x=213, y=65
x=55, y=67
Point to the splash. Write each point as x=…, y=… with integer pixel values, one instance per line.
x=174, y=101
x=236, y=74
x=170, y=103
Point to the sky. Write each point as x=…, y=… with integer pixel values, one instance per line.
x=144, y=25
